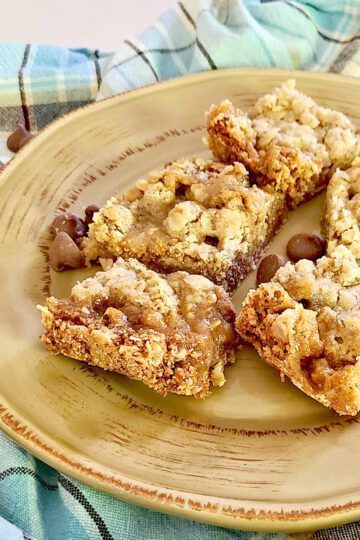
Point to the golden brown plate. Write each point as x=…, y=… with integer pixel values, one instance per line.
x=257, y=454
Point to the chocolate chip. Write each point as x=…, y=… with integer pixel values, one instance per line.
x=306, y=363
x=18, y=138
x=180, y=191
x=305, y=246
x=100, y=304
x=268, y=268
x=72, y=224
x=233, y=276
x=89, y=213
x=211, y=240
x=81, y=242
x=63, y=252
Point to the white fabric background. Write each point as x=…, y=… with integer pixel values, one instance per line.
x=98, y=24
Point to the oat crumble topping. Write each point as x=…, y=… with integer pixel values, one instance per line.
x=204, y=220
x=195, y=215
x=290, y=145
x=175, y=333
x=307, y=325
x=342, y=219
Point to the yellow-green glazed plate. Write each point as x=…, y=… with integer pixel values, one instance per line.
x=257, y=454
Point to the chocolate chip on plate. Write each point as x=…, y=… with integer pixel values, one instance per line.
x=72, y=224
x=89, y=213
x=63, y=252
x=268, y=268
x=305, y=246
x=18, y=138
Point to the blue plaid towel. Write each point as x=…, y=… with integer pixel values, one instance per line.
x=39, y=83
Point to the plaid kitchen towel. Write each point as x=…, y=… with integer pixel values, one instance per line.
x=39, y=83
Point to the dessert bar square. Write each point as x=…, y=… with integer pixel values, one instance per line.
x=290, y=144
x=195, y=215
x=306, y=324
x=342, y=219
x=174, y=333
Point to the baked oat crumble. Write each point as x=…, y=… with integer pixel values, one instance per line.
x=195, y=215
x=342, y=219
x=175, y=333
x=306, y=324
x=290, y=145
x=200, y=220
x=306, y=321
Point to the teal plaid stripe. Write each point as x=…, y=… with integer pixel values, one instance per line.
x=54, y=507
x=39, y=83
